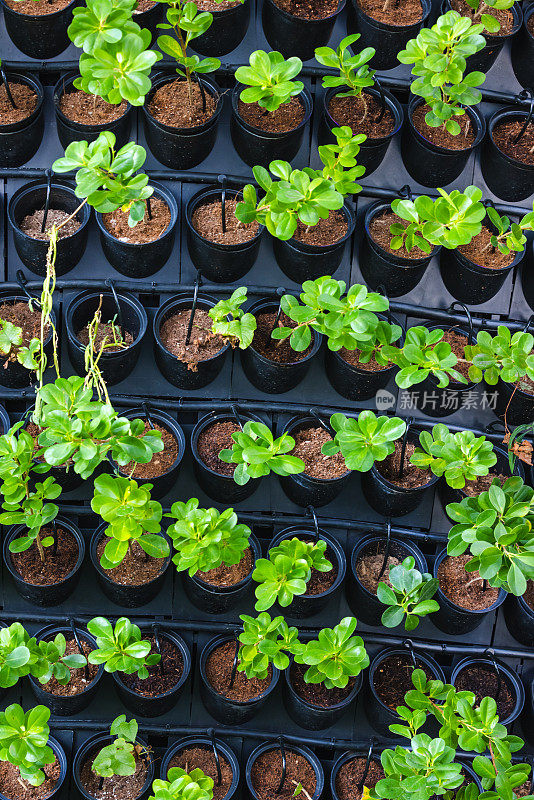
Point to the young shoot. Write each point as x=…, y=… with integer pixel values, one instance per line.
x=181, y=785
x=24, y=742
x=503, y=356
x=459, y=456
x=17, y=654
x=269, y=79
x=11, y=345
x=354, y=71
x=121, y=648
x=335, y=656
x=51, y=661
x=509, y=236
x=119, y=757
x=424, y=353
x=231, y=322
x=265, y=641
x=408, y=597
x=364, y=440
x=482, y=12
x=257, y=453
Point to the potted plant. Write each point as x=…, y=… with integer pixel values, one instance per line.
x=22, y=118
x=407, y=595
x=108, y=180
x=506, y=157
x=181, y=784
x=118, y=758
x=318, y=696
x=501, y=20
x=180, y=117
x=149, y=673
x=17, y=654
x=297, y=29
x=265, y=771
x=443, y=125
x=131, y=565
x=304, y=210
x=213, y=756
x=24, y=334
x=353, y=769
x=364, y=108
x=29, y=754
x=39, y=33
x=215, y=554
x=270, y=110
x=354, y=329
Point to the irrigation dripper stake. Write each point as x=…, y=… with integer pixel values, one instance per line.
x=382, y=95
x=147, y=414
x=222, y=179
x=54, y=546
x=491, y=655
x=284, y=764
x=149, y=208
x=235, y=413
x=202, y=90
x=155, y=628
x=8, y=89
x=457, y=304
x=409, y=422
x=198, y=281
x=79, y=645
x=211, y=734
x=324, y=425
x=22, y=281
x=409, y=646
x=386, y=552
x=280, y=292
x=47, y=199
x=111, y=285
x=311, y=512
x=367, y=763
x=523, y=95
x=235, y=662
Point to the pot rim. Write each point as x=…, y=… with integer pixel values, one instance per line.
x=499, y=115
x=189, y=741
x=441, y=556
x=304, y=96
x=433, y=480
x=98, y=534
x=514, y=681
x=31, y=187
x=301, y=421
x=308, y=754
x=369, y=539
x=340, y=7
x=176, y=430
x=196, y=200
x=211, y=645
x=180, y=643
x=59, y=627
x=88, y=294
x=372, y=210
x=60, y=88
x=293, y=531
x=96, y=739
x=474, y=113
x=225, y=590
x=336, y=706
x=390, y=651
x=426, y=7
x=178, y=299
x=211, y=418
x=392, y=104
x=265, y=303
x=35, y=84
x=54, y=15
x=164, y=194
x=160, y=79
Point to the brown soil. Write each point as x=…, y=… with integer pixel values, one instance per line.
x=286, y=118
x=504, y=16
x=31, y=224
x=308, y=444
x=55, y=567
x=441, y=137
x=278, y=350
x=25, y=100
x=412, y=476
x=379, y=230
x=316, y=693
x=148, y=230
x=157, y=682
x=35, y=431
x=530, y=24
x=229, y=575
x=458, y=341
x=480, y=251
x=352, y=357
x=504, y=134
x=528, y=597
x=369, y=566
x=266, y=774
x=402, y=12
x=393, y=678
x=20, y=314
x=362, y=114
x=136, y=568
x=350, y=775
x=118, y=786
x=203, y=344
x=523, y=790
x=212, y=440
x=207, y=221
x=89, y=109
x=213, y=7
x=11, y=785
x=219, y=672
x=525, y=384
x=201, y=757
x=143, y=5
x=482, y=483
x=161, y=462
x=170, y=105
x=106, y=333
x=326, y=232
x=464, y=589
x=482, y=680
x=32, y=9
x=78, y=680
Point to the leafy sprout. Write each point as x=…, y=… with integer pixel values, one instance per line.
x=269, y=79
x=121, y=648
x=265, y=641
x=364, y=440
x=459, y=456
x=11, y=345
x=424, y=353
x=354, y=71
x=51, y=661
x=118, y=757
x=408, y=597
x=17, y=654
x=335, y=656
x=183, y=786
x=24, y=741
x=100, y=23
x=257, y=453
x=231, y=322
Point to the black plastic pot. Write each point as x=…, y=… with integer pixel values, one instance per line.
x=274, y=377
x=366, y=605
x=39, y=36
x=257, y=147
x=141, y=260
x=127, y=596
x=227, y=30
x=501, y=466
x=454, y=619
x=19, y=141
x=354, y=383
x=63, y=766
x=522, y=52
x=221, y=263
x=296, y=36
x=57, y=592
x=229, y=712
x=305, y=490
x=373, y=150
x=299, y=750
x=205, y=743
x=307, y=605
x=386, y=497
x=181, y=148
x=517, y=405
x=5, y=422
x=14, y=375
x=174, y=370
x=91, y=747
x=485, y=58
x=387, y=40
x=67, y=705
x=214, y=599
x=352, y=755
x=70, y=131
x=312, y=717
x=161, y=483
x=527, y=276
x=115, y=366
x=303, y=262
x=519, y=618
x=379, y=715
x=514, y=682
x=436, y=402
x=150, y=19
x=219, y=487
x=430, y=164
x=469, y=282
x=159, y=704
x=396, y=275
x=32, y=252
x=506, y=177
